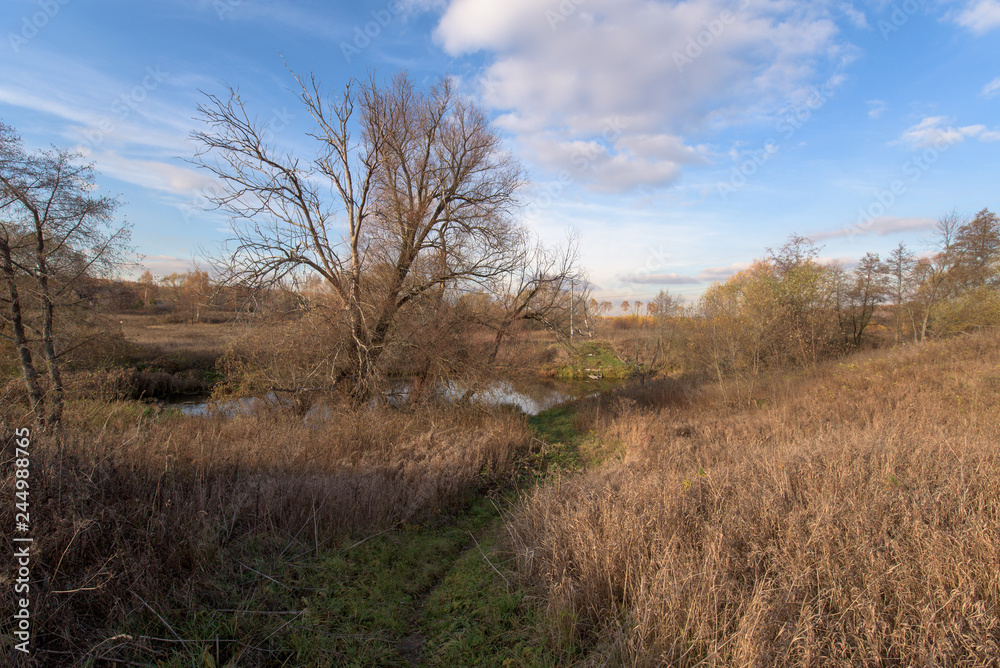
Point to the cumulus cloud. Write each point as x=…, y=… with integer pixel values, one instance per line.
x=612, y=163
x=560, y=69
x=470, y=25
x=934, y=130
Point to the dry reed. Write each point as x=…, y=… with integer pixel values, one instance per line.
x=128, y=511
x=851, y=516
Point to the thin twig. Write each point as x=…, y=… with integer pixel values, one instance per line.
x=161, y=618
x=369, y=538
x=265, y=575
x=488, y=561
x=261, y=612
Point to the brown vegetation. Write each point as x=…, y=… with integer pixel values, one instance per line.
x=134, y=511
x=849, y=516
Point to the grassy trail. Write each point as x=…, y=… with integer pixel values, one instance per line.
x=438, y=593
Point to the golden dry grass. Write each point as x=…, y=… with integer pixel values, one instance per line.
x=135, y=506
x=850, y=517
x=157, y=337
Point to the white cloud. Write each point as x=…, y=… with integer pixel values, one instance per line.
x=612, y=162
x=932, y=131
x=881, y=226
x=856, y=16
x=667, y=278
x=706, y=275
x=877, y=107
x=980, y=16
x=991, y=89
x=470, y=25
x=154, y=174
x=163, y=265
x=665, y=72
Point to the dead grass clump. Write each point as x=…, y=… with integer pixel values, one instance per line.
x=132, y=384
x=132, y=510
x=851, y=517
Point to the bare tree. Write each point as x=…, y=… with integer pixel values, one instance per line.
x=858, y=294
x=54, y=233
x=977, y=247
x=934, y=274
x=536, y=290
x=419, y=201
x=13, y=240
x=899, y=267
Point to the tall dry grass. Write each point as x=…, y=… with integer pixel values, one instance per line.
x=851, y=517
x=128, y=511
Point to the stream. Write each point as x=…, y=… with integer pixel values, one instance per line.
x=531, y=396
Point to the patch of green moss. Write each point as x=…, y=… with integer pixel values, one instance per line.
x=595, y=360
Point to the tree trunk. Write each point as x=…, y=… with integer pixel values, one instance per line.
x=48, y=341
x=28, y=370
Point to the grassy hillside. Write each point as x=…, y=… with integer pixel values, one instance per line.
x=849, y=516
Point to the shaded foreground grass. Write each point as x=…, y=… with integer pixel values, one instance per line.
x=849, y=516
x=416, y=594
x=164, y=538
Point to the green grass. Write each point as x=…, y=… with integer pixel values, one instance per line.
x=430, y=594
x=475, y=618
x=567, y=448
x=595, y=359
x=423, y=595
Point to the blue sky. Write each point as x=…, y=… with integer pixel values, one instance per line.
x=678, y=139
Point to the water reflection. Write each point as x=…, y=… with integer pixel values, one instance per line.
x=531, y=396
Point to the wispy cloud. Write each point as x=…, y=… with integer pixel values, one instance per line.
x=881, y=226
x=855, y=15
x=162, y=265
x=875, y=108
x=272, y=13
x=934, y=130
x=707, y=275
x=157, y=175
x=991, y=89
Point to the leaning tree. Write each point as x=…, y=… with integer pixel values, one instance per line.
x=54, y=233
